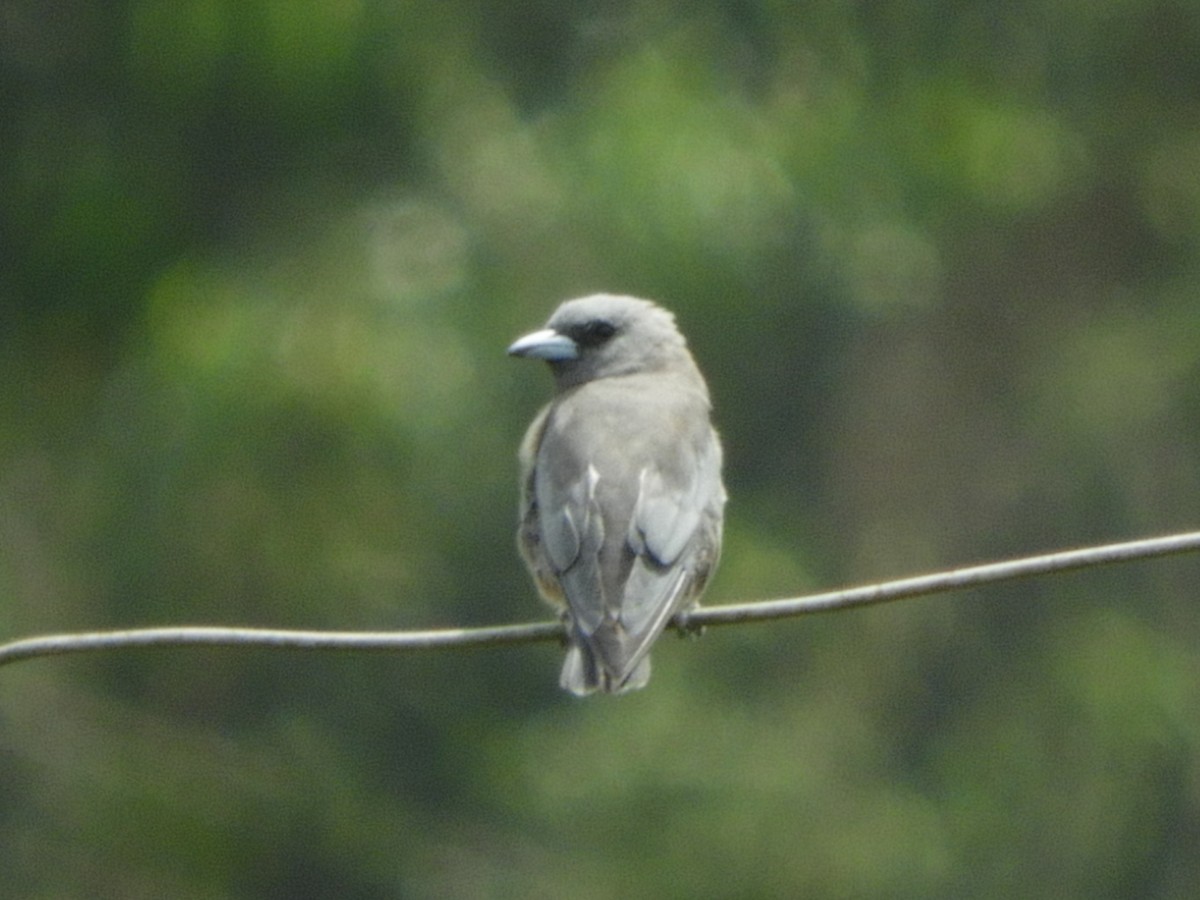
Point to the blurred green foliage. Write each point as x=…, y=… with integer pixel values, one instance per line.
x=261, y=258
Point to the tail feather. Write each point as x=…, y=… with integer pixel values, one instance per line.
x=583, y=674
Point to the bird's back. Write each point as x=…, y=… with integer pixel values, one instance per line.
x=629, y=502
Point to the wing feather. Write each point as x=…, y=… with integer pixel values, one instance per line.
x=627, y=516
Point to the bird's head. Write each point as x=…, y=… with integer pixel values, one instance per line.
x=605, y=335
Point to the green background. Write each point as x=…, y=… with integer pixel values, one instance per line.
x=260, y=260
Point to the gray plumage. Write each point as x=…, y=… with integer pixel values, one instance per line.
x=621, y=494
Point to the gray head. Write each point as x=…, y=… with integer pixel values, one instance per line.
x=604, y=335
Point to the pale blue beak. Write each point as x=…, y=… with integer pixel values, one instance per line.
x=546, y=344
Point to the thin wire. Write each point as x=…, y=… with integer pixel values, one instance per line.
x=955, y=579
x=867, y=595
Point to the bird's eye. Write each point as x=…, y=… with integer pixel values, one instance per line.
x=595, y=332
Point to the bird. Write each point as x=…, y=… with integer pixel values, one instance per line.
x=621, y=495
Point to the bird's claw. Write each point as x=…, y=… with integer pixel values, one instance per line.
x=685, y=627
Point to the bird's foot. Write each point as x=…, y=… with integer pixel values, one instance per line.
x=565, y=618
x=685, y=627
